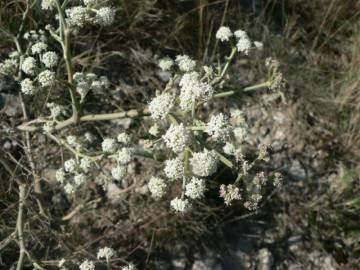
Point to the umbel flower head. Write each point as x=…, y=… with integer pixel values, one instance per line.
x=180, y=205
x=105, y=253
x=177, y=137
x=185, y=63
x=224, y=33
x=161, y=105
x=157, y=187
x=105, y=16
x=218, y=127
x=87, y=265
x=174, y=168
x=27, y=87
x=50, y=59
x=195, y=189
x=204, y=163
x=29, y=65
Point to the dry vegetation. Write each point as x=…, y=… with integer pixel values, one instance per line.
x=318, y=45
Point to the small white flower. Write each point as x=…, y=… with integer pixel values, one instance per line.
x=204, y=163
x=195, y=189
x=87, y=265
x=185, y=63
x=229, y=193
x=180, y=205
x=109, y=145
x=46, y=78
x=79, y=179
x=224, y=33
x=77, y=16
x=105, y=253
x=166, y=63
x=55, y=109
x=218, y=127
x=70, y=165
x=47, y=4
x=157, y=187
x=96, y=86
x=124, y=155
x=192, y=89
x=174, y=168
x=240, y=34
x=50, y=59
x=105, y=16
x=27, y=87
x=83, y=89
x=49, y=126
x=124, y=138
x=154, y=130
x=244, y=45
x=60, y=175
x=69, y=188
x=39, y=47
x=29, y=65
x=85, y=164
x=118, y=172
x=177, y=137
x=161, y=105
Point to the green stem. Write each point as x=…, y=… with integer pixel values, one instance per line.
x=246, y=89
x=65, y=44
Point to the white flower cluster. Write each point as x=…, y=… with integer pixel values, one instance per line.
x=244, y=44
x=177, y=137
x=161, y=105
x=122, y=153
x=89, y=81
x=46, y=78
x=166, y=63
x=185, y=63
x=230, y=193
x=192, y=89
x=157, y=187
x=105, y=16
x=180, y=205
x=50, y=59
x=9, y=66
x=219, y=127
x=74, y=174
x=224, y=33
x=55, y=110
x=195, y=189
x=48, y=4
x=109, y=145
x=204, y=163
x=39, y=47
x=174, y=168
x=79, y=16
x=29, y=65
x=87, y=265
x=27, y=87
x=105, y=253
